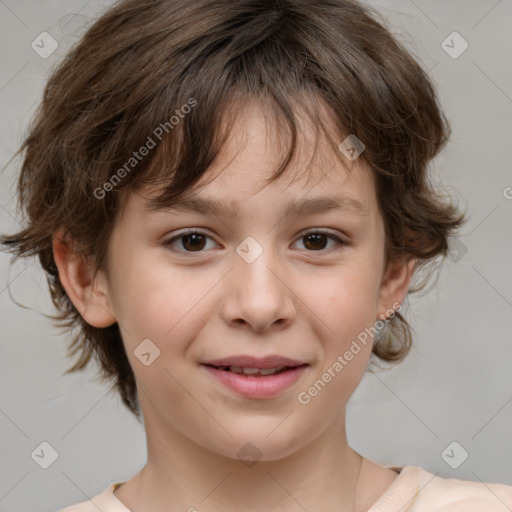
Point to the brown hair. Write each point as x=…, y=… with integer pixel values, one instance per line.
x=143, y=61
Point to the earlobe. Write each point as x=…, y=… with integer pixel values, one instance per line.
x=84, y=286
x=394, y=287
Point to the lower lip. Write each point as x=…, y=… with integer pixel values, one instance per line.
x=250, y=386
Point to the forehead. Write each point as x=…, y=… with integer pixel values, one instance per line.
x=259, y=139
x=317, y=179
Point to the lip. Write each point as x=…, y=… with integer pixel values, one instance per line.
x=246, y=361
x=260, y=387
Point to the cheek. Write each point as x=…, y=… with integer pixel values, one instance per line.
x=154, y=301
x=345, y=299
x=346, y=308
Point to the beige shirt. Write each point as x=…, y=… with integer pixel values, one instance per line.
x=414, y=490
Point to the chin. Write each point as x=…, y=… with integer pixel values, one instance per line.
x=256, y=444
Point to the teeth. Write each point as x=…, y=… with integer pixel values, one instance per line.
x=248, y=371
x=253, y=371
x=270, y=371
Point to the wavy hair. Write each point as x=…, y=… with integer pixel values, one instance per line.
x=142, y=61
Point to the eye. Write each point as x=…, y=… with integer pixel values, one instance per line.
x=191, y=240
x=315, y=240
x=194, y=240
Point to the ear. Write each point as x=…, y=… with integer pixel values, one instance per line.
x=394, y=286
x=85, y=288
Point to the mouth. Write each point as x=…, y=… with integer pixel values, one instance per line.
x=254, y=372
x=256, y=378
x=269, y=362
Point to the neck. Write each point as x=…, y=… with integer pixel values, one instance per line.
x=318, y=476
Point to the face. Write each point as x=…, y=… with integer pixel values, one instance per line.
x=303, y=285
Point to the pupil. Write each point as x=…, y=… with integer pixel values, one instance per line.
x=315, y=237
x=195, y=244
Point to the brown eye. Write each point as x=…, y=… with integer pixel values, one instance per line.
x=196, y=242
x=193, y=242
x=190, y=241
x=316, y=241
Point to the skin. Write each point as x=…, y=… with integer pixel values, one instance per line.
x=302, y=299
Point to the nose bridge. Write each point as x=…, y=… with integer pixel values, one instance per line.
x=256, y=292
x=257, y=264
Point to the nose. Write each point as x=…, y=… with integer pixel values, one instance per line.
x=258, y=294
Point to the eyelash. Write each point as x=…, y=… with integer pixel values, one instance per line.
x=170, y=241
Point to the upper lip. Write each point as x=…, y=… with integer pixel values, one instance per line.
x=244, y=361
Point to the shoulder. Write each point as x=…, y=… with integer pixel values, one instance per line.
x=419, y=490
x=462, y=495
x=106, y=501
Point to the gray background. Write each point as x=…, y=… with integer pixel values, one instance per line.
x=456, y=384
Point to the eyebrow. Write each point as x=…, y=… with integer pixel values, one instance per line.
x=310, y=206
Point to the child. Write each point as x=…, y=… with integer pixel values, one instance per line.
x=261, y=129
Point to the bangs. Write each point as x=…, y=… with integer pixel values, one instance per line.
x=153, y=91
x=285, y=120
